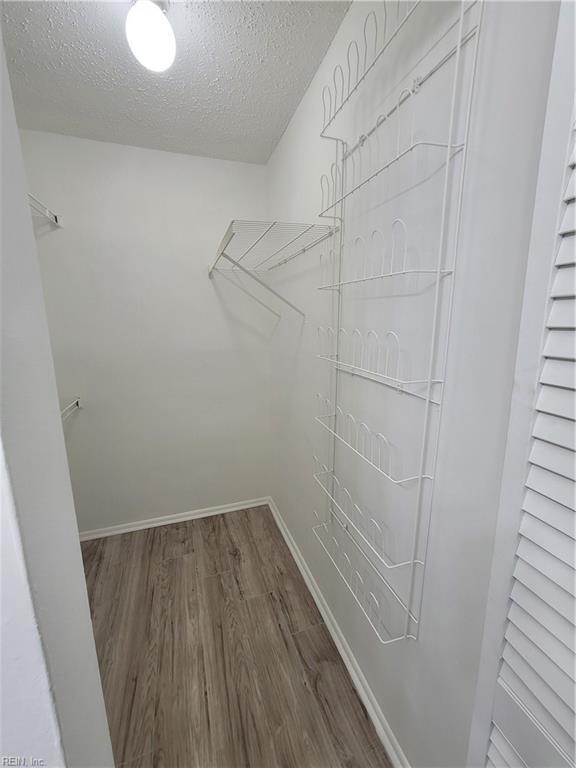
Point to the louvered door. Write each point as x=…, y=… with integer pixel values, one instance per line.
x=524, y=713
x=533, y=719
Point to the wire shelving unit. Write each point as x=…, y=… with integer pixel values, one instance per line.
x=394, y=157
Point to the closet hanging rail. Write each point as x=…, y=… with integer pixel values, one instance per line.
x=39, y=209
x=70, y=408
x=256, y=247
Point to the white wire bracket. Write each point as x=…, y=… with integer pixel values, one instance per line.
x=70, y=409
x=40, y=210
x=256, y=247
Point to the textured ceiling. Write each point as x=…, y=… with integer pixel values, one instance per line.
x=240, y=71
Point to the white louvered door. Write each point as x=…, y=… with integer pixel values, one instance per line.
x=528, y=715
x=535, y=688
x=533, y=720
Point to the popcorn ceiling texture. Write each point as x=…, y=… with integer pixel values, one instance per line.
x=240, y=71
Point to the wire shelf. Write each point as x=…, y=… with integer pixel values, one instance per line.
x=371, y=357
x=384, y=275
x=330, y=185
x=253, y=248
x=348, y=509
x=377, y=255
x=362, y=58
x=378, y=601
x=360, y=62
x=264, y=245
x=373, y=447
x=402, y=386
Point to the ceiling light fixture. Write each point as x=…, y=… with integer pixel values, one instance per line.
x=150, y=36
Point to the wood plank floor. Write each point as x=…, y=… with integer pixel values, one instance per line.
x=213, y=654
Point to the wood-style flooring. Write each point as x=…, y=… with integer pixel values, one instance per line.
x=213, y=654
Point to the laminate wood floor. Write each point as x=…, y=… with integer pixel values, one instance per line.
x=213, y=654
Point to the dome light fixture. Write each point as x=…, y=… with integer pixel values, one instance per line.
x=150, y=36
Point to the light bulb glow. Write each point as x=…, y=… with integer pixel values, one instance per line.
x=150, y=36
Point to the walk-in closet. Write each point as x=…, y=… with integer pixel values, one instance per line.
x=288, y=384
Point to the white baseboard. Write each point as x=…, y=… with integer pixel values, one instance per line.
x=383, y=729
x=154, y=522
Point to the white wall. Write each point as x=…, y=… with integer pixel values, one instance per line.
x=425, y=689
x=51, y=699
x=26, y=695
x=171, y=367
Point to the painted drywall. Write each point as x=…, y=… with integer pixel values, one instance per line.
x=51, y=695
x=425, y=689
x=25, y=695
x=172, y=368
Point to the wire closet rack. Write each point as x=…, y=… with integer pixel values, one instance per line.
x=410, y=140
x=254, y=248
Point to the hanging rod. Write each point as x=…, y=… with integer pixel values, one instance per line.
x=70, y=408
x=41, y=210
